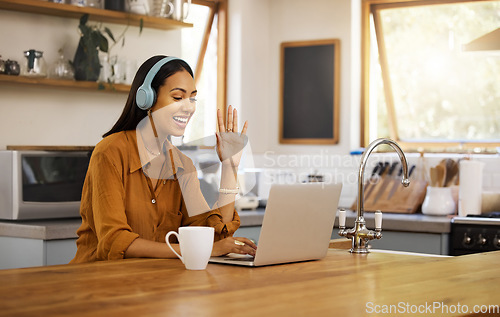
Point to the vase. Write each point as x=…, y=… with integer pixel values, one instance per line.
x=116, y=5
x=86, y=62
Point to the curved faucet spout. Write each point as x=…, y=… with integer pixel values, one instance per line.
x=364, y=159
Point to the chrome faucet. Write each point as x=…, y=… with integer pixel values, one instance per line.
x=360, y=235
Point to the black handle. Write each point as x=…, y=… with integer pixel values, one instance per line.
x=409, y=173
x=393, y=167
x=411, y=170
x=31, y=59
x=383, y=167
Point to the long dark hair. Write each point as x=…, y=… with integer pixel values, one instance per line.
x=132, y=115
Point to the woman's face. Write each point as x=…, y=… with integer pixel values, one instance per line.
x=175, y=104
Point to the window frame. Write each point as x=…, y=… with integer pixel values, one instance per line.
x=217, y=8
x=369, y=7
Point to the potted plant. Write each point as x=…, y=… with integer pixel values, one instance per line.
x=86, y=60
x=92, y=40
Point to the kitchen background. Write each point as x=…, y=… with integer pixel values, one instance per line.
x=44, y=116
x=33, y=115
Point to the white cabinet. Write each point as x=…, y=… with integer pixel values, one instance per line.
x=28, y=243
x=23, y=252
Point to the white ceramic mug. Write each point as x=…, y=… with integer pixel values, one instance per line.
x=138, y=6
x=162, y=8
x=196, y=245
x=180, y=9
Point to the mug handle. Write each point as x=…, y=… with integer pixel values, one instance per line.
x=170, y=9
x=187, y=11
x=168, y=243
x=170, y=6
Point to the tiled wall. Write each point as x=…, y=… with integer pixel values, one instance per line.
x=292, y=168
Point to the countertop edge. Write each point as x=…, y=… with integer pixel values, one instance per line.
x=58, y=229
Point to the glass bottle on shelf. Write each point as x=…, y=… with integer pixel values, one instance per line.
x=98, y=4
x=105, y=74
x=62, y=69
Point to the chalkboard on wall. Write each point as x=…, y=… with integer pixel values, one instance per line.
x=309, y=109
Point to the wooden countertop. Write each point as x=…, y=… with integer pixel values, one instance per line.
x=342, y=284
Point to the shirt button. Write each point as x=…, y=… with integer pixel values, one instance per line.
x=153, y=201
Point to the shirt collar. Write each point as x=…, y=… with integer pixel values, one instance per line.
x=140, y=156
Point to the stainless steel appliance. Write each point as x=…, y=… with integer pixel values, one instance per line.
x=480, y=233
x=41, y=184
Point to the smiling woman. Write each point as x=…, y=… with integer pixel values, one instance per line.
x=425, y=90
x=139, y=186
x=176, y=104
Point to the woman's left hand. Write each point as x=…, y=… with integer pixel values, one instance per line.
x=230, y=143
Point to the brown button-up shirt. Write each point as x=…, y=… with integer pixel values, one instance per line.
x=117, y=202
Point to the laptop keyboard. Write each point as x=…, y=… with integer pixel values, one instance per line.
x=246, y=259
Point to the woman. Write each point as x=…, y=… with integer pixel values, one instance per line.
x=137, y=182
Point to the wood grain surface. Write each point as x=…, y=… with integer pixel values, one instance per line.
x=342, y=284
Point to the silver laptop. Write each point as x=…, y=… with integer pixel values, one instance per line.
x=297, y=225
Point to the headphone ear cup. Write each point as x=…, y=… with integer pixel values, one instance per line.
x=145, y=98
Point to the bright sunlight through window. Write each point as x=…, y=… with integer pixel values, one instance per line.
x=204, y=120
x=424, y=86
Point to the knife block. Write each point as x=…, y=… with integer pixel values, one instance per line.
x=406, y=200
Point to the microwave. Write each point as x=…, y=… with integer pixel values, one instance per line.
x=41, y=184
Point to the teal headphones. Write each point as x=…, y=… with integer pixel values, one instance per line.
x=146, y=96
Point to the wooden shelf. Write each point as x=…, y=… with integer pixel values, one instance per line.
x=75, y=12
x=62, y=83
x=100, y=15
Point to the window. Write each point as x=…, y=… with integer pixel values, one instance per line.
x=420, y=87
x=203, y=47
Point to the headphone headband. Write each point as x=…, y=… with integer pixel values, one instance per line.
x=146, y=96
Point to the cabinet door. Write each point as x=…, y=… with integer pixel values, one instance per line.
x=21, y=252
x=59, y=251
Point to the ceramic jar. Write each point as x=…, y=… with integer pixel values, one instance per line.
x=438, y=201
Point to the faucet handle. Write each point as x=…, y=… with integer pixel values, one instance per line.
x=342, y=218
x=378, y=220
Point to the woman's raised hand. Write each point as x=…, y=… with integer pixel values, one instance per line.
x=230, y=143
